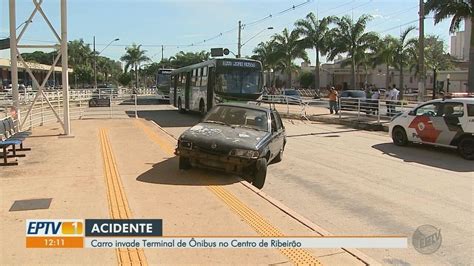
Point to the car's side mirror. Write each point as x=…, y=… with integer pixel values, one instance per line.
x=412, y=113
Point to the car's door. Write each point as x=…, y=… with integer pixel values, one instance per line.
x=453, y=116
x=424, y=125
x=277, y=135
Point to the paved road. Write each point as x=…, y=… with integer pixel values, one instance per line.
x=353, y=182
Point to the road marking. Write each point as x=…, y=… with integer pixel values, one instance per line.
x=256, y=221
x=117, y=200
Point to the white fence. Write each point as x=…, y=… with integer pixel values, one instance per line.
x=371, y=110
x=120, y=103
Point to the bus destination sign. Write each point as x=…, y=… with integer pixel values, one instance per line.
x=246, y=64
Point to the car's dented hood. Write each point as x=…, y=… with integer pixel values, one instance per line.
x=225, y=138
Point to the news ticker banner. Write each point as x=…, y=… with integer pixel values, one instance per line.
x=148, y=233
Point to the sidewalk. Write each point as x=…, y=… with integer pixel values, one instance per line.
x=191, y=203
x=320, y=113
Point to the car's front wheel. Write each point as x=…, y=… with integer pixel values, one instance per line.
x=466, y=148
x=399, y=136
x=260, y=173
x=184, y=163
x=279, y=157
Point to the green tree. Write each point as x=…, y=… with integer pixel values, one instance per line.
x=80, y=58
x=316, y=35
x=124, y=79
x=350, y=37
x=385, y=54
x=402, y=54
x=287, y=48
x=265, y=53
x=306, y=79
x=182, y=59
x=436, y=58
x=133, y=57
x=458, y=10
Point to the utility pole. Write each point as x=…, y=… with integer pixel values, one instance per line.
x=162, y=48
x=239, y=42
x=13, y=58
x=95, y=66
x=421, y=79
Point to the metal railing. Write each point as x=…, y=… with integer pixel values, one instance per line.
x=371, y=110
x=118, y=104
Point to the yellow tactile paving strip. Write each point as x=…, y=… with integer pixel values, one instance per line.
x=263, y=227
x=251, y=217
x=118, y=204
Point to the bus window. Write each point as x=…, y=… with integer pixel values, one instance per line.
x=238, y=81
x=204, y=77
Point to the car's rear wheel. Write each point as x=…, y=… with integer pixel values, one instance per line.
x=260, y=173
x=399, y=136
x=184, y=163
x=466, y=148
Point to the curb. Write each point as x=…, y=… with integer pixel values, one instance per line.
x=310, y=225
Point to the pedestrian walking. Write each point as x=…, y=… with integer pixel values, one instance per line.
x=333, y=108
x=391, y=100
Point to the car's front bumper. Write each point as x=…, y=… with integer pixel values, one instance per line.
x=231, y=164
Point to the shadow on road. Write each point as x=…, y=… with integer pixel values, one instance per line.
x=168, y=118
x=167, y=173
x=144, y=101
x=439, y=157
x=325, y=134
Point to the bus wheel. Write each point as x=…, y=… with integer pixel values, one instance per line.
x=202, y=108
x=180, y=106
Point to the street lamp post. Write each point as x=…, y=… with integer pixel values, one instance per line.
x=447, y=83
x=95, y=59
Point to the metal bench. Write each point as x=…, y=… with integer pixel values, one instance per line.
x=11, y=137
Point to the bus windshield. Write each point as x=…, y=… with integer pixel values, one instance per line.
x=239, y=81
x=163, y=79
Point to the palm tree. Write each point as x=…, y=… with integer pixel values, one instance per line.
x=402, y=54
x=385, y=54
x=350, y=37
x=133, y=57
x=459, y=10
x=316, y=35
x=287, y=48
x=265, y=53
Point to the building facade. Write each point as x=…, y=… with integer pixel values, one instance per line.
x=460, y=42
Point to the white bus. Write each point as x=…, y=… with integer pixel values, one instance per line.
x=163, y=83
x=200, y=86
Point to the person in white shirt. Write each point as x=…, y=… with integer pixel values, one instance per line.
x=391, y=100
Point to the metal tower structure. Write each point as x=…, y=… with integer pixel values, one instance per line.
x=61, y=47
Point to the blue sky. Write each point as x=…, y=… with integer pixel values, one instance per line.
x=180, y=23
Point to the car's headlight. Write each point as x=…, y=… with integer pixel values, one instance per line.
x=244, y=153
x=185, y=144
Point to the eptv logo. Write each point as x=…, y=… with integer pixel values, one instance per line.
x=58, y=227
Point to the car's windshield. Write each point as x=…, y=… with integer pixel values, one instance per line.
x=239, y=81
x=357, y=94
x=239, y=117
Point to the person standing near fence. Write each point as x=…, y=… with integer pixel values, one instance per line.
x=392, y=98
x=374, y=101
x=333, y=100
